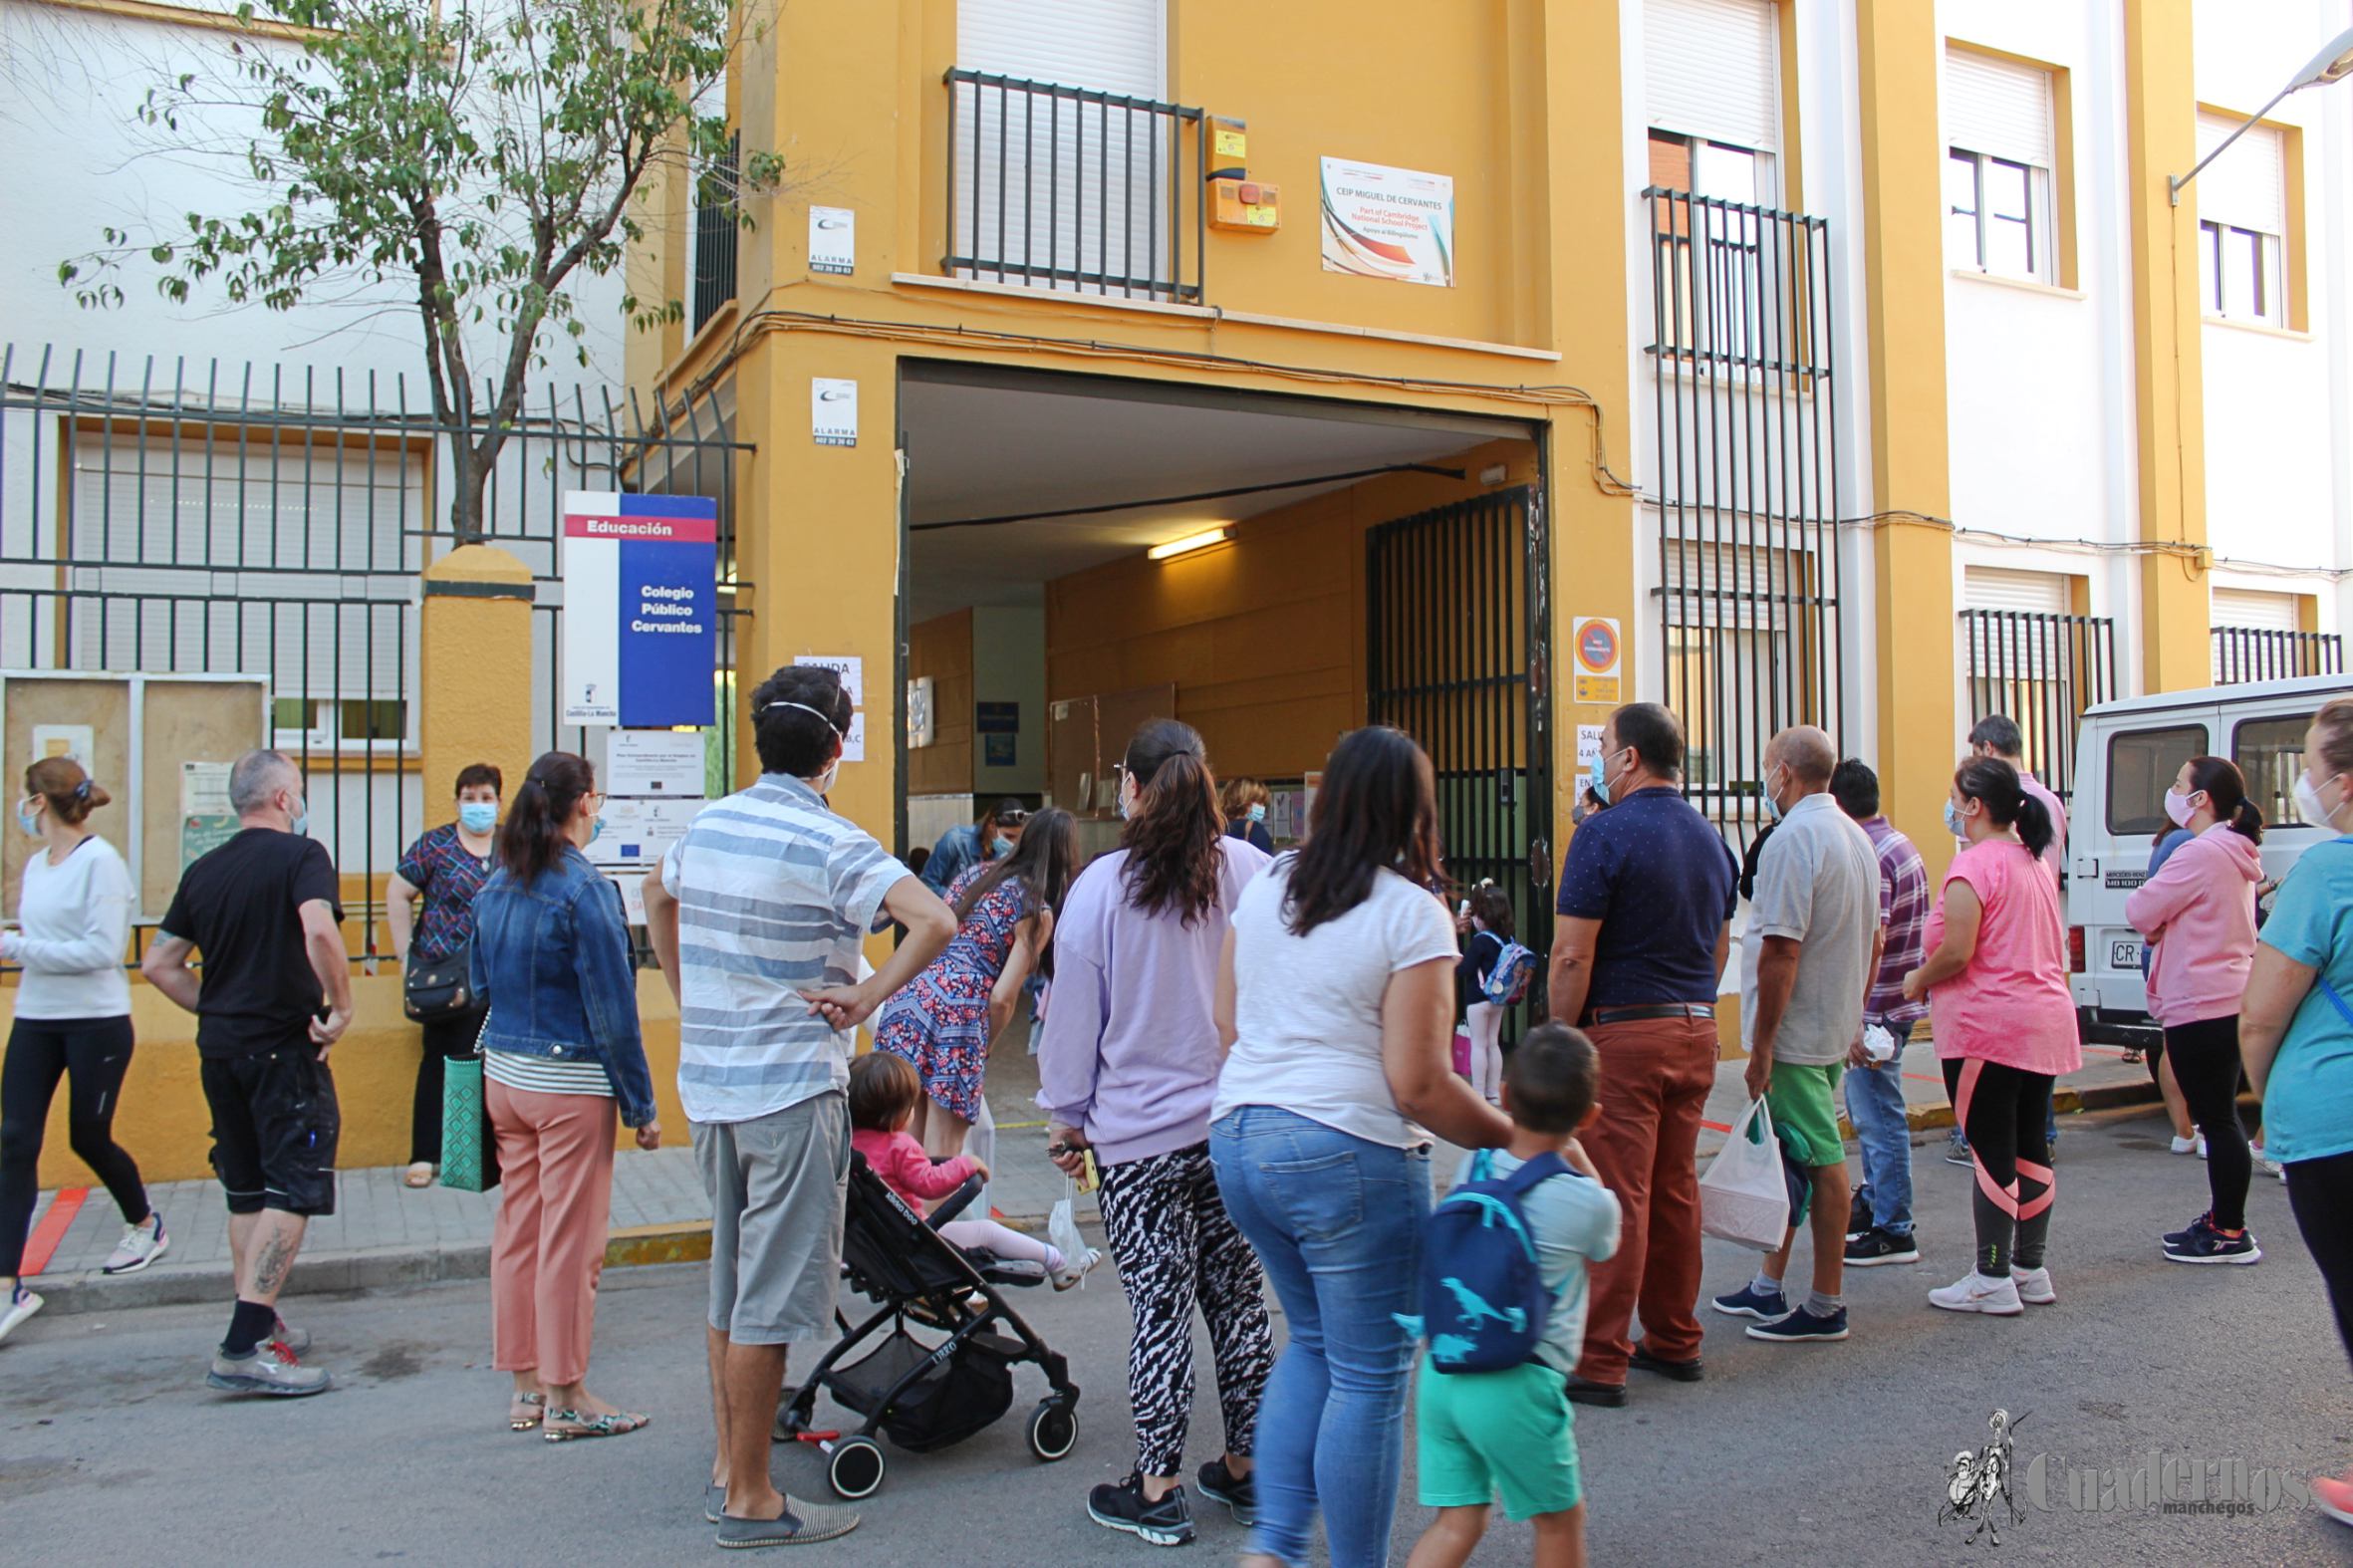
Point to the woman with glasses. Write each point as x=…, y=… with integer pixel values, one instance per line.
x=944, y=1021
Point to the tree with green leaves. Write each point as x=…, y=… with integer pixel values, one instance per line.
x=481, y=161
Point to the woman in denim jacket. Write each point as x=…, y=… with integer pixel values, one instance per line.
x=560, y=1051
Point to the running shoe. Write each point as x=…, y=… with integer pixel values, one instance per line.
x=1121, y=1506
x=297, y=1341
x=1957, y=1150
x=22, y=1304
x=2182, y=1146
x=2335, y=1497
x=1801, y=1326
x=140, y=1245
x=1876, y=1246
x=2203, y=1243
x=270, y=1369
x=1975, y=1292
x=2187, y=1233
x=1240, y=1493
x=2271, y=1167
x=2034, y=1286
x=1751, y=1302
x=1858, y=1215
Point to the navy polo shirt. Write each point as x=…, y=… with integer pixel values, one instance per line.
x=1663, y=882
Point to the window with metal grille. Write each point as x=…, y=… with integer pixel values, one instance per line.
x=2041, y=670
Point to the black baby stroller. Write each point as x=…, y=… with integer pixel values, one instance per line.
x=925, y=1392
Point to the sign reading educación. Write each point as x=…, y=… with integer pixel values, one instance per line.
x=640, y=608
x=1382, y=222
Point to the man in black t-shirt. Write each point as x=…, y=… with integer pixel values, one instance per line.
x=272, y=996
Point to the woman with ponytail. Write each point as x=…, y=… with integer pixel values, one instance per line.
x=1128, y=1065
x=2005, y=1026
x=2202, y=905
x=560, y=1050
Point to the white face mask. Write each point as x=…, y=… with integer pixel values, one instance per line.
x=2309, y=804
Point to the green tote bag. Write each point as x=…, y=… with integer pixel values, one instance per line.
x=470, y=1152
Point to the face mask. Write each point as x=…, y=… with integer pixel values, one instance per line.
x=2178, y=807
x=1772, y=803
x=1597, y=780
x=30, y=821
x=300, y=827
x=1257, y=813
x=1953, y=823
x=1000, y=846
x=478, y=816
x=2311, y=806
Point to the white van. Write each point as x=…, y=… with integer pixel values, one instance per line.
x=2126, y=756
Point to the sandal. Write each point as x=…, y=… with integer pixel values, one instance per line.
x=535, y=1403
x=619, y=1424
x=418, y=1175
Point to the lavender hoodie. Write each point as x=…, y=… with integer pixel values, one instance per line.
x=2202, y=903
x=1130, y=1054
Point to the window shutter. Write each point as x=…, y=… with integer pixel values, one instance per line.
x=2251, y=608
x=1111, y=46
x=1713, y=68
x=2036, y=593
x=1999, y=108
x=2247, y=187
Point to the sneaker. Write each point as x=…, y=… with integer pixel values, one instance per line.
x=270, y=1369
x=1801, y=1325
x=1975, y=1292
x=1750, y=1302
x=1240, y=1493
x=799, y=1524
x=2206, y=1244
x=22, y=1304
x=1069, y=1276
x=2335, y=1497
x=140, y=1245
x=2201, y=1145
x=2182, y=1146
x=1957, y=1150
x=2034, y=1286
x=1121, y=1506
x=1858, y=1215
x=1876, y=1246
x=2265, y=1162
x=297, y=1341
x=2187, y=1233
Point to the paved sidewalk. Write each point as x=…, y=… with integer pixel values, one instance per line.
x=384, y=1235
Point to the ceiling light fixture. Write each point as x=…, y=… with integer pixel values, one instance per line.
x=1188, y=544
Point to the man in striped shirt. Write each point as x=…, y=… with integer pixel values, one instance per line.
x=758, y=915
x=1880, y=1224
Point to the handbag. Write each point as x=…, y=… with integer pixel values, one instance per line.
x=440, y=988
x=469, y=1149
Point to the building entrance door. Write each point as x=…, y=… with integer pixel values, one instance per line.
x=1459, y=640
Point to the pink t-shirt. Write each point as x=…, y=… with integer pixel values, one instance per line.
x=2010, y=1006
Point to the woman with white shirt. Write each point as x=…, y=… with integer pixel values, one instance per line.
x=1337, y=996
x=73, y=1021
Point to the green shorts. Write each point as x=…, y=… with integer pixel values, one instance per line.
x=1477, y=1434
x=1803, y=1097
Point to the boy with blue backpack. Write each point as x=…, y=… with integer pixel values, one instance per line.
x=1503, y=1305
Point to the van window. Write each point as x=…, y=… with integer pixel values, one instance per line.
x=2142, y=764
x=2271, y=752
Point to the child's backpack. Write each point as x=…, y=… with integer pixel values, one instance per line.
x=1508, y=982
x=1483, y=1301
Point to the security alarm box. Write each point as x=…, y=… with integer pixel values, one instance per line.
x=1249, y=205
x=1229, y=149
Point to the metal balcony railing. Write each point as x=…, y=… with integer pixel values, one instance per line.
x=1064, y=187
x=716, y=233
x=2042, y=671
x=2245, y=654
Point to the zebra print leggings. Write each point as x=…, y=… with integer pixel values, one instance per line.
x=1174, y=1247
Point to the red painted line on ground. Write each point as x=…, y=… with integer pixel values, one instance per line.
x=1923, y=1078
x=42, y=1246
x=1716, y=1127
x=2107, y=1050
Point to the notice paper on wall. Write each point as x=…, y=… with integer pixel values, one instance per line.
x=654, y=762
x=63, y=740
x=640, y=831
x=1383, y=223
x=207, y=819
x=832, y=240
x=851, y=668
x=832, y=411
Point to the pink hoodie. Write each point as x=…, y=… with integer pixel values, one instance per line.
x=2202, y=903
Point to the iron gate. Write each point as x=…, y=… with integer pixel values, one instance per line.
x=2042, y=671
x=1458, y=642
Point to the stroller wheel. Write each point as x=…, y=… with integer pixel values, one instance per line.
x=1053, y=1429
x=857, y=1468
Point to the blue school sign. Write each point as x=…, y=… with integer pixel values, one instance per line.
x=640, y=608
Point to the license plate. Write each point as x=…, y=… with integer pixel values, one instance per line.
x=2124, y=952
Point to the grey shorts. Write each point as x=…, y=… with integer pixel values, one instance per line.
x=777, y=1185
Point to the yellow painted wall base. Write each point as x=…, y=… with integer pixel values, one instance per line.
x=165, y=1126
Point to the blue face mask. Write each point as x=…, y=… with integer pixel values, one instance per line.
x=477, y=816
x=29, y=822
x=300, y=827
x=1952, y=822
x=596, y=829
x=1772, y=807
x=1597, y=778
x=1257, y=813
x=1000, y=846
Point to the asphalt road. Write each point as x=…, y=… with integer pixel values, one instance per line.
x=112, y=1449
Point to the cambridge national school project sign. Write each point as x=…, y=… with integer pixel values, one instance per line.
x=640, y=608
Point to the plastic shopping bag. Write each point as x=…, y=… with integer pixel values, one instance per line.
x=1743, y=1195
x=1462, y=1053
x=981, y=1141
x=1062, y=1226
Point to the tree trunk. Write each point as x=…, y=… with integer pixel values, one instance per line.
x=468, y=479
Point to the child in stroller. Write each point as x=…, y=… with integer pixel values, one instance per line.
x=926, y=1391
x=882, y=1092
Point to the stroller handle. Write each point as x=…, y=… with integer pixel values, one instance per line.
x=954, y=1203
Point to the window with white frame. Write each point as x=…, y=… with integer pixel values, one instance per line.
x=2242, y=223
x=2001, y=148
x=1711, y=83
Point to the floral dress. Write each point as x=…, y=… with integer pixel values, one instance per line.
x=939, y=1022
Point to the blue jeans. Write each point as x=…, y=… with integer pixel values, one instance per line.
x=1875, y=1104
x=1336, y=1222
